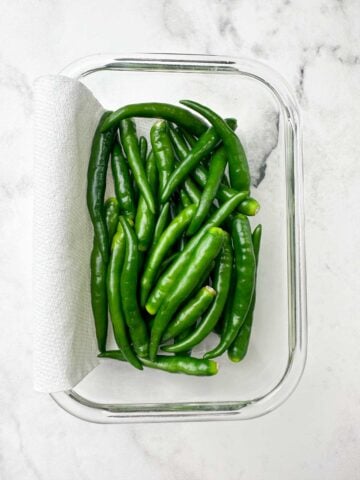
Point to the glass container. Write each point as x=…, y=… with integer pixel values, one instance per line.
x=270, y=129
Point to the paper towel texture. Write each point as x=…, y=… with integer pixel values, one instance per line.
x=66, y=116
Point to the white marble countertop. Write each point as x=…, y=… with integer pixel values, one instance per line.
x=316, y=433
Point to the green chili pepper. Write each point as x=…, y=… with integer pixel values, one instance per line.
x=130, y=143
x=200, y=174
x=98, y=276
x=162, y=222
x=207, y=249
x=206, y=143
x=167, y=262
x=250, y=207
x=238, y=165
x=185, y=199
x=162, y=247
x=239, y=347
x=162, y=148
x=190, y=139
x=145, y=219
x=190, y=313
x=113, y=291
x=205, y=278
x=216, y=172
x=178, y=364
x=192, y=190
x=221, y=283
x=96, y=184
x=166, y=111
x=122, y=182
x=181, y=336
x=128, y=290
x=181, y=147
x=245, y=265
x=169, y=277
x=143, y=146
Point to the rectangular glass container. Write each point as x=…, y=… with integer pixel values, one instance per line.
x=269, y=127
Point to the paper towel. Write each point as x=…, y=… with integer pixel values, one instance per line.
x=66, y=116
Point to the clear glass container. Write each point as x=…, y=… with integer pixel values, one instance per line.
x=269, y=126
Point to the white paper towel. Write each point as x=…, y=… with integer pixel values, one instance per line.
x=66, y=116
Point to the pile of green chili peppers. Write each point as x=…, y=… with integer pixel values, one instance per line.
x=174, y=258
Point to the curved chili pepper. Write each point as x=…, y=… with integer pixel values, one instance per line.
x=169, y=277
x=122, y=182
x=245, y=266
x=185, y=199
x=113, y=290
x=238, y=165
x=206, y=143
x=239, y=347
x=130, y=144
x=221, y=283
x=200, y=174
x=98, y=276
x=162, y=222
x=192, y=190
x=162, y=148
x=128, y=290
x=96, y=184
x=207, y=249
x=250, y=207
x=166, y=111
x=190, y=313
x=162, y=247
x=178, y=364
x=216, y=172
x=143, y=146
x=145, y=219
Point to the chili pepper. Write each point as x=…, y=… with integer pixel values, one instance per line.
x=245, y=266
x=113, y=290
x=162, y=222
x=216, y=172
x=143, y=146
x=190, y=313
x=98, y=276
x=166, y=111
x=181, y=336
x=185, y=199
x=96, y=184
x=207, y=249
x=221, y=283
x=204, y=279
x=239, y=347
x=200, y=174
x=250, y=207
x=145, y=219
x=122, y=182
x=162, y=247
x=178, y=364
x=190, y=139
x=192, y=190
x=128, y=291
x=167, y=262
x=162, y=148
x=238, y=165
x=131, y=147
x=177, y=137
x=169, y=277
x=206, y=143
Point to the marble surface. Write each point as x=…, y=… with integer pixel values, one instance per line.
x=316, y=433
